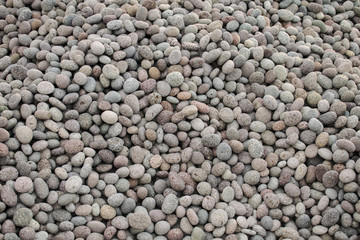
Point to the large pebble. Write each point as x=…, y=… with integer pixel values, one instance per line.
x=139, y=220
x=73, y=184
x=175, y=79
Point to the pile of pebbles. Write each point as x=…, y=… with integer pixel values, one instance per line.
x=170, y=119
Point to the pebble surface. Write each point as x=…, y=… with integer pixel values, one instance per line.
x=176, y=120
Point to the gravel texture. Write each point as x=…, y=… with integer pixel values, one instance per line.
x=199, y=119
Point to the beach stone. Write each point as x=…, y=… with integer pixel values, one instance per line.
x=175, y=57
x=292, y=190
x=347, y=176
x=292, y=118
x=107, y=212
x=330, y=178
x=218, y=217
x=162, y=228
x=139, y=220
x=330, y=217
x=223, y=151
x=45, y=87
x=110, y=71
x=23, y=184
x=228, y=194
x=170, y=204
x=22, y=217
x=8, y=196
x=252, y=177
x=24, y=134
x=270, y=102
x=153, y=111
x=4, y=150
x=267, y=222
x=109, y=117
x=197, y=233
x=73, y=146
x=175, y=79
x=255, y=148
x=97, y=48
x=285, y=15
x=131, y=85
x=73, y=184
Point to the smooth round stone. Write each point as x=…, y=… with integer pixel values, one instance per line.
x=315, y=125
x=22, y=217
x=175, y=57
x=285, y=15
x=270, y=102
x=23, y=184
x=24, y=134
x=258, y=126
x=162, y=228
x=170, y=204
x=228, y=194
x=211, y=140
x=73, y=146
x=347, y=176
x=223, y=151
x=139, y=220
x=330, y=178
x=107, y=212
x=110, y=71
x=73, y=184
x=109, y=117
x=114, y=25
x=175, y=79
x=252, y=177
x=97, y=48
x=113, y=97
x=330, y=217
x=255, y=148
x=131, y=85
x=227, y=115
x=292, y=190
x=218, y=217
x=267, y=222
x=45, y=87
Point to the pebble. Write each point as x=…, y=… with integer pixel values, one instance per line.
x=285, y=15
x=110, y=71
x=223, y=151
x=45, y=87
x=107, y=212
x=255, y=148
x=22, y=217
x=4, y=150
x=330, y=178
x=218, y=217
x=131, y=85
x=347, y=176
x=170, y=204
x=73, y=184
x=73, y=146
x=139, y=220
x=179, y=119
x=211, y=140
x=97, y=48
x=24, y=134
x=175, y=79
x=330, y=217
x=252, y=177
x=109, y=117
x=23, y=185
